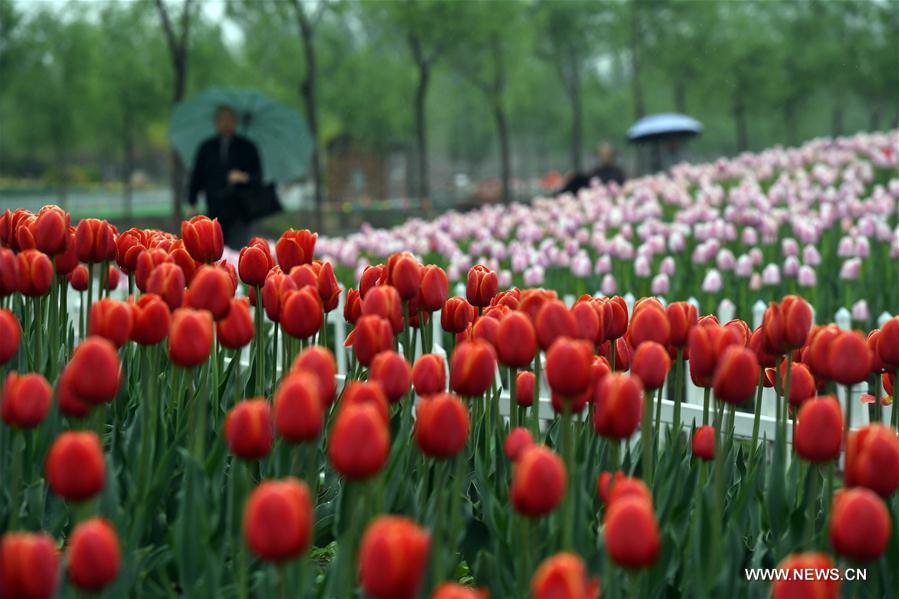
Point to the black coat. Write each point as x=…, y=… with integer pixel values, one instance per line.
x=210, y=174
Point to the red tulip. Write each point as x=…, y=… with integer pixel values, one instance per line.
x=66, y=261
x=486, y=328
x=539, y=482
x=472, y=368
x=366, y=392
x=511, y=298
x=248, y=429
x=568, y=365
x=372, y=276
x=563, y=575
x=817, y=352
x=626, y=486
x=524, y=388
x=9, y=272
x=184, y=260
x=95, y=370
x=703, y=444
x=10, y=335
x=792, y=587
x=254, y=262
x=393, y=555
x=302, y=314
x=94, y=558
x=275, y=288
x=95, y=241
x=203, y=239
x=404, y=273
x=29, y=565
x=516, y=340
x=482, y=285
x=295, y=248
x=787, y=324
x=371, y=335
x=681, y=317
x=167, y=281
x=631, y=533
x=299, y=411
x=441, y=425
x=150, y=318
x=392, y=372
x=618, y=406
x=651, y=363
x=819, y=433
x=848, y=358
x=76, y=469
x=533, y=299
x=888, y=348
x=872, y=459
x=434, y=288
x=278, y=519
x=146, y=262
x=319, y=361
x=623, y=352
x=517, y=442
x=878, y=366
x=112, y=320
x=328, y=287
x=236, y=330
x=457, y=314
x=50, y=230
x=589, y=322
x=26, y=400
x=554, y=320
x=352, y=308
x=451, y=590
x=429, y=375
x=35, y=273
x=211, y=290
x=385, y=301
x=736, y=375
x=359, y=441
x=190, y=338
x=615, y=317
x=859, y=524
x=70, y=403
x=128, y=246
x=78, y=278
x=303, y=275
x=649, y=323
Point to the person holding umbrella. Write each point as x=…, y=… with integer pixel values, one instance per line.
x=226, y=165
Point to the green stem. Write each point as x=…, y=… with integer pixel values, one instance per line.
x=758, y=410
x=678, y=383
x=567, y=455
x=812, y=505
x=535, y=405
x=645, y=437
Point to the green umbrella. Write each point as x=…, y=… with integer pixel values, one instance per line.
x=280, y=135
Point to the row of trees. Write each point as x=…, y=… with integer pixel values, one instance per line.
x=531, y=83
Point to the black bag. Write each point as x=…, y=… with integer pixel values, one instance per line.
x=257, y=201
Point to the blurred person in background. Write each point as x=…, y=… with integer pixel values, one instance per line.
x=226, y=166
x=607, y=171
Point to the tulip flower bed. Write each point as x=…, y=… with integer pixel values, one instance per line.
x=175, y=424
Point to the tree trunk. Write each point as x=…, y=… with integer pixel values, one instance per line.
x=178, y=171
x=505, y=169
x=421, y=140
x=637, y=88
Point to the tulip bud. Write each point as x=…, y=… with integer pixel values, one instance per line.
x=757, y=344
x=210, y=290
x=681, y=318
x=451, y=590
x=859, y=524
x=302, y=314
x=190, y=338
x=128, y=246
x=35, y=273
x=50, y=230
x=320, y=362
x=392, y=372
x=434, y=288
x=146, y=262
x=94, y=558
x=563, y=575
x=9, y=272
x=236, y=330
x=26, y=400
x=533, y=299
x=872, y=459
x=429, y=375
x=167, y=281
x=790, y=587
x=568, y=366
x=618, y=406
x=371, y=335
x=78, y=278
x=352, y=307
x=649, y=323
x=539, y=482
x=385, y=301
x=848, y=358
x=626, y=486
x=651, y=363
x=95, y=241
x=787, y=324
x=278, y=519
x=274, y=290
x=295, y=248
x=482, y=285
x=819, y=433
x=736, y=375
x=248, y=429
x=457, y=314
x=359, y=441
x=29, y=565
x=203, y=239
x=404, y=273
x=630, y=532
x=66, y=261
x=328, y=287
x=299, y=411
x=517, y=442
x=254, y=262
x=393, y=555
x=703, y=444
x=516, y=340
x=472, y=368
x=554, y=320
x=75, y=467
x=95, y=370
x=68, y=399
x=616, y=317
x=112, y=320
x=524, y=388
x=441, y=425
x=150, y=318
x=10, y=335
x=888, y=348
x=371, y=277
